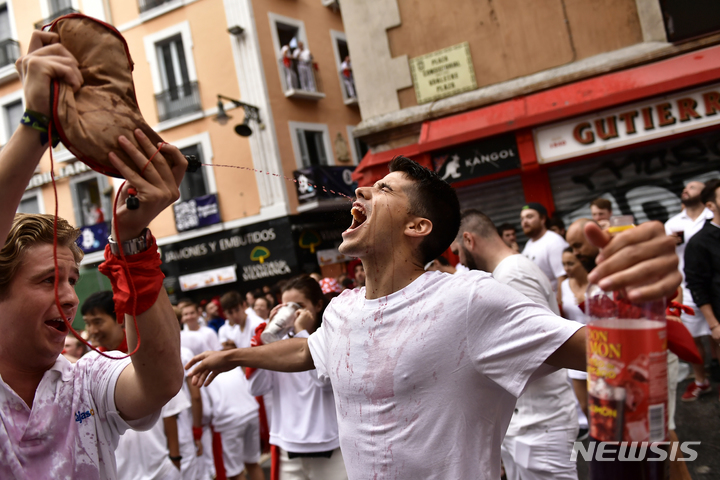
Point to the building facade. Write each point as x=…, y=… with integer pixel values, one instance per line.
x=559, y=103
x=204, y=70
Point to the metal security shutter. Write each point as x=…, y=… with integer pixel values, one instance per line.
x=501, y=200
x=645, y=182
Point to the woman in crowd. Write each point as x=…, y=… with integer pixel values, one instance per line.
x=571, y=294
x=304, y=431
x=262, y=307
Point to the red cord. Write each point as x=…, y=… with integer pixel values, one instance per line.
x=133, y=292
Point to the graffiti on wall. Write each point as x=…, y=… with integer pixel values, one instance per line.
x=645, y=183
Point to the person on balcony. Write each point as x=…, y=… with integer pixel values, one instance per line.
x=291, y=81
x=347, y=77
x=305, y=67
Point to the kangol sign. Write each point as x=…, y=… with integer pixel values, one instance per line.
x=627, y=125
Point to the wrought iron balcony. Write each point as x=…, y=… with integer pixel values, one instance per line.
x=66, y=9
x=9, y=52
x=145, y=5
x=178, y=101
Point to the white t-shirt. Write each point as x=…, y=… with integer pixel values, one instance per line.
x=232, y=403
x=241, y=337
x=73, y=428
x=199, y=341
x=303, y=417
x=549, y=401
x=253, y=316
x=547, y=252
x=683, y=223
x=426, y=379
x=189, y=462
x=145, y=455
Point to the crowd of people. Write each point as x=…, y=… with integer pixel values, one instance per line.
x=414, y=368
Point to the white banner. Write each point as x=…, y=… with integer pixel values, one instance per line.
x=208, y=278
x=640, y=122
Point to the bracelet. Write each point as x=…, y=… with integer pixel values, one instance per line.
x=38, y=121
x=197, y=433
x=175, y=459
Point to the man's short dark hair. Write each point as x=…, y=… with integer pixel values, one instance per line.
x=602, y=203
x=475, y=221
x=555, y=222
x=708, y=193
x=231, y=300
x=504, y=227
x=434, y=199
x=101, y=302
x=187, y=302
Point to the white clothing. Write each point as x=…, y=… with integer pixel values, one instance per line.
x=253, y=317
x=547, y=252
x=241, y=445
x=241, y=337
x=232, y=403
x=303, y=417
x=303, y=55
x=73, y=427
x=199, y=341
x=312, y=468
x=540, y=455
x=145, y=455
x=570, y=307
x=398, y=362
x=696, y=324
x=189, y=465
x=571, y=311
x=549, y=401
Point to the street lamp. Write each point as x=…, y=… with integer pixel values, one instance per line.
x=251, y=113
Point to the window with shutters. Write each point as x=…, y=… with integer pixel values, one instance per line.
x=172, y=67
x=311, y=143
x=11, y=111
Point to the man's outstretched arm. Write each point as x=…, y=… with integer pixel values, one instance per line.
x=291, y=355
x=571, y=354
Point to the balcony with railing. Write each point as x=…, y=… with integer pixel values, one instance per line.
x=301, y=81
x=62, y=7
x=9, y=52
x=145, y=5
x=178, y=101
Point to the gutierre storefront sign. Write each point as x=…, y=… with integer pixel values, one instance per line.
x=656, y=118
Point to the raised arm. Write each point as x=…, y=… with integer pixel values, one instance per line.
x=155, y=374
x=291, y=355
x=46, y=59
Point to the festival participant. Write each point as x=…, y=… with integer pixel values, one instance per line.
x=425, y=366
x=539, y=440
x=195, y=336
x=304, y=424
x=261, y=307
x=74, y=349
x=57, y=419
x=238, y=328
x=104, y=331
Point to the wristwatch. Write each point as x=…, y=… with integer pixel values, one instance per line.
x=132, y=246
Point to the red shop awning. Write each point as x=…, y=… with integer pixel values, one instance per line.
x=597, y=93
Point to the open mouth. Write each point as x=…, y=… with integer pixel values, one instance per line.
x=57, y=324
x=359, y=217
